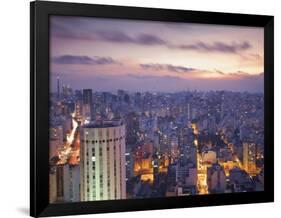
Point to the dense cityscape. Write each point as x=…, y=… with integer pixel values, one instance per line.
x=127, y=145
x=149, y=109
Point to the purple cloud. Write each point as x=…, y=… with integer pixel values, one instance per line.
x=75, y=59
x=147, y=39
x=121, y=37
x=79, y=29
x=216, y=47
x=168, y=67
x=60, y=30
x=179, y=69
x=149, y=77
x=245, y=75
x=240, y=74
x=116, y=36
x=153, y=66
x=219, y=72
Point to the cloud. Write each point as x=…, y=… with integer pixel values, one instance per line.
x=121, y=37
x=179, y=69
x=147, y=39
x=251, y=59
x=75, y=59
x=239, y=75
x=245, y=75
x=167, y=67
x=60, y=30
x=116, y=36
x=81, y=29
x=216, y=47
x=153, y=66
x=189, y=72
x=149, y=77
x=219, y=72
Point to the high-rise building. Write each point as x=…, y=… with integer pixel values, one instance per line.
x=88, y=100
x=216, y=179
x=87, y=96
x=186, y=174
x=188, y=112
x=52, y=187
x=240, y=180
x=71, y=183
x=249, y=157
x=188, y=154
x=86, y=112
x=129, y=164
x=66, y=91
x=102, y=161
x=56, y=140
x=66, y=185
x=58, y=87
x=174, y=148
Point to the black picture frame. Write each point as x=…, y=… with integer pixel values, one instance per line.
x=39, y=107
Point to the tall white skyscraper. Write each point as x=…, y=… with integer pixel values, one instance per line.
x=102, y=161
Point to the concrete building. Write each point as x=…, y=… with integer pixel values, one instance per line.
x=186, y=174
x=102, y=161
x=52, y=187
x=209, y=157
x=71, y=183
x=65, y=184
x=216, y=179
x=87, y=102
x=56, y=140
x=240, y=181
x=249, y=157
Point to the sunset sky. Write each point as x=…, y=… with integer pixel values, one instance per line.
x=111, y=54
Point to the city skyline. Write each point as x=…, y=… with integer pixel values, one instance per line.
x=142, y=109
x=112, y=54
x=144, y=145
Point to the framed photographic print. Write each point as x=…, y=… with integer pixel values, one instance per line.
x=143, y=108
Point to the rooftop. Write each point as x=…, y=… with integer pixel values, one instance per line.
x=104, y=124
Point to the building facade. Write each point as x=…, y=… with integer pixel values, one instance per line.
x=249, y=157
x=64, y=184
x=216, y=179
x=56, y=140
x=102, y=161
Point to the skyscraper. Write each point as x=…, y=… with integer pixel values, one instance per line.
x=55, y=140
x=87, y=96
x=216, y=179
x=58, y=87
x=249, y=157
x=87, y=102
x=102, y=161
x=71, y=183
x=65, y=183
